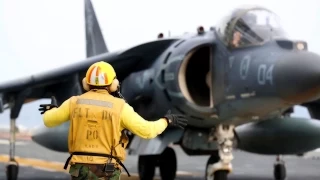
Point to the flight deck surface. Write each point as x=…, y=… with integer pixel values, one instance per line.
x=38, y=163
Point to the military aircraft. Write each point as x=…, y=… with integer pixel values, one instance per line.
x=236, y=83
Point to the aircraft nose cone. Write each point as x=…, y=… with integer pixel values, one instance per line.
x=297, y=77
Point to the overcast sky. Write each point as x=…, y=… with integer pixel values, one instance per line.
x=37, y=35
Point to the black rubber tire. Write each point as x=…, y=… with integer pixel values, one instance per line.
x=168, y=164
x=279, y=172
x=221, y=175
x=146, y=167
x=12, y=172
x=218, y=175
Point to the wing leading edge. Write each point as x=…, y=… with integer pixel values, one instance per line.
x=125, y=62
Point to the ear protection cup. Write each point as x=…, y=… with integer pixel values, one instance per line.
x=114, y=85
x=85, y=85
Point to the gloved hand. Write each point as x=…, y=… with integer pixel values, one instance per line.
x=45, y=107
x=176, y=120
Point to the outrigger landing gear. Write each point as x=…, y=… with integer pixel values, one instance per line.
x=16, y=103
x=279, y=170
x=219, y=164
x=166, y=161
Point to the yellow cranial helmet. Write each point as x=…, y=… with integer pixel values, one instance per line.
x=100, y=74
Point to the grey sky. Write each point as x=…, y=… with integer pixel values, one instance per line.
x=38, y=35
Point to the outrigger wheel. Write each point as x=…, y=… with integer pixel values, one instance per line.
x=15, y=103
x=12, y=170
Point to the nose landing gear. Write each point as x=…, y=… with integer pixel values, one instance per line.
x=219, y=164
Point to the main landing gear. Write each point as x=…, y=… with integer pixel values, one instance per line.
x=279, y=170
x=16, y=103
x=167, y=162
x=219, y=164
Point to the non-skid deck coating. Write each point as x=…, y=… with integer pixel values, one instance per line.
x=38, y=163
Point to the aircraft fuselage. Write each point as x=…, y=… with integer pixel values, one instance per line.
x=246, y=84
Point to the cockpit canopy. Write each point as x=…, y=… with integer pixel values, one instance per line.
x=249, y=27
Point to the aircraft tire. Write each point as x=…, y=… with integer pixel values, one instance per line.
x=221, y=175
x=279, y=172
x=218, y=175
x=168, y=164
x=146, y=167
x=12, y=172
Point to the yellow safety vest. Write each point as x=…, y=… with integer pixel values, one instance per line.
x=95, y=127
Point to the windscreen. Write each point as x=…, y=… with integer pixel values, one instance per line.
x=255, y=27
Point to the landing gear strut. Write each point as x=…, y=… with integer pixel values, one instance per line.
x=279, y=170
x=219, y=164
x=167, y=162
x=16, y=103
x=12, y=167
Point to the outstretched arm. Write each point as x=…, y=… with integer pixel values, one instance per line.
x=56, y=116
x=139, y=126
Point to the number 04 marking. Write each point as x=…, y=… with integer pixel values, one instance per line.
x=265, y=74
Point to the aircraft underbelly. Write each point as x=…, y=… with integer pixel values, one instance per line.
x=244, y=110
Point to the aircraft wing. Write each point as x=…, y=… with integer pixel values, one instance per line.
x=52, y=76
x=124, y=62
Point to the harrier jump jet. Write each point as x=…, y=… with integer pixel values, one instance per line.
x=236, y=83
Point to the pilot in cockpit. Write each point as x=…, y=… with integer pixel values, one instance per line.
x=236, y=39
x=250, y=27
x=240, y=26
